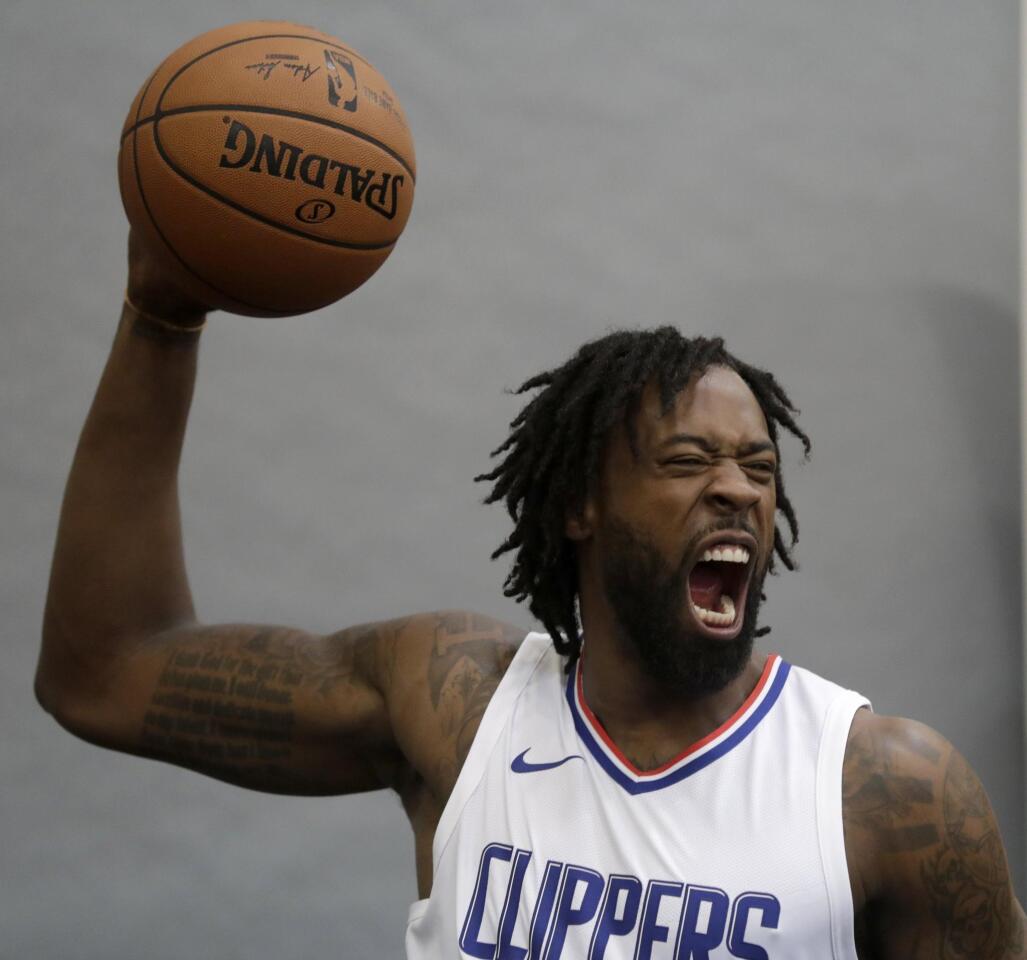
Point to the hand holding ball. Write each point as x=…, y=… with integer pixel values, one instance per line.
x=271, y=165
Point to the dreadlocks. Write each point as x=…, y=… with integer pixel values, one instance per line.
x=551, y=458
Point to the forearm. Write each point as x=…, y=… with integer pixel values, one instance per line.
x=118, y=571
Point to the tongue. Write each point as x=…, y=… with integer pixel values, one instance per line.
x=706, y=584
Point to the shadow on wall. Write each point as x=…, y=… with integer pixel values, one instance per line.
x=978, y=343
x=977, y=339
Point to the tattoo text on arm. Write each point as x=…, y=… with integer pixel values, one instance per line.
x=226, y=705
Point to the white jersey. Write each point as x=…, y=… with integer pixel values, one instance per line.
x=554, y=845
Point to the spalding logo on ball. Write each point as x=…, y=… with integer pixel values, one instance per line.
x=272, y=164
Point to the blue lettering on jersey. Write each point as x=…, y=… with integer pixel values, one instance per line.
x=579, y=885
x=470, y=943
x=505, y=949
x=770, y=908
x=571, y=897
x=618, y=913
x=650, y=932
x=544, y=908
x=701, y=930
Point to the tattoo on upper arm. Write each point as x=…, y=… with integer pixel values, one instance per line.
x=882, y=801
x=468, y=658
x=966, y=878
x=226, y=704
x=938, y=832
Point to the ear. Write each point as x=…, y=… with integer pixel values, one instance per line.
x=580, y=521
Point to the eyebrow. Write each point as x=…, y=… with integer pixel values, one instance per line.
x=757, y=446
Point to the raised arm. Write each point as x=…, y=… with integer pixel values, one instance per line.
x=126, y=664
x=928, y=867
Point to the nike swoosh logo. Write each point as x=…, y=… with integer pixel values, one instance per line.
x=520, y=765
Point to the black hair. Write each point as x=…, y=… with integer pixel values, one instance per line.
x=551, y=458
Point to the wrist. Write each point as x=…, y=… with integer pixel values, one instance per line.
x=179, y=328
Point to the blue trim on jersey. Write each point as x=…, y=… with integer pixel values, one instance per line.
x=731, y=741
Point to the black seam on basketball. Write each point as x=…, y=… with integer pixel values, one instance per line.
x=156, y=226
x=158, y=110
x=274, y=36
x=228, y=202
x=156, y=116
x=153, y=219
x=275, y=112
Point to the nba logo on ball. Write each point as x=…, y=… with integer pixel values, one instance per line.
x=342, y=81
x=268, y=196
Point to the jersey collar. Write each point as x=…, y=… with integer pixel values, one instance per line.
x=694, y=758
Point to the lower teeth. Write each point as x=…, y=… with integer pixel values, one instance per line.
x=724, y=618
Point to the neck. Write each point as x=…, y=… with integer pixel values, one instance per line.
x=649, y=721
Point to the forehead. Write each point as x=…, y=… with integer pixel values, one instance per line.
x=717, y=405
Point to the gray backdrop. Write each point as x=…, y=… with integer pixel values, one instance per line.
x=832, y=186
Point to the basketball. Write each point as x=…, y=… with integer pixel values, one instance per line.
x=271, y=164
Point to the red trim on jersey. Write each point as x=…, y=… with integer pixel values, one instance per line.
x=597, y=727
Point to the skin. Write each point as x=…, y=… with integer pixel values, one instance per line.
x=126, y=664
x=928, y=871
x=671, y=493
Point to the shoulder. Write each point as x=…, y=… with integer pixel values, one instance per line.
x=921, y=836
x=880, y=746
x=439, y=671
x=893, y=780
x=427, y=648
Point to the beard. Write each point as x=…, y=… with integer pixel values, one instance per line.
x=648, y=598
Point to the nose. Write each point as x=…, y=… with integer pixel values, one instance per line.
x=730, y=491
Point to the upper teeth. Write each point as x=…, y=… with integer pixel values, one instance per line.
x=726, y=553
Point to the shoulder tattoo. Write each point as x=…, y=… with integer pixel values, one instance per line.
x=469, y=656
x=894, y=807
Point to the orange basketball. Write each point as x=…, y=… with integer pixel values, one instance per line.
x=273, y=165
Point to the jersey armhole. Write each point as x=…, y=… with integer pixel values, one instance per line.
x=526, y=661
x=830, y=827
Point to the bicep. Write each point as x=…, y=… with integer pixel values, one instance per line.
x=269, y=708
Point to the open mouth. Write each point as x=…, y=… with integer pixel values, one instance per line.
x=718, y=585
